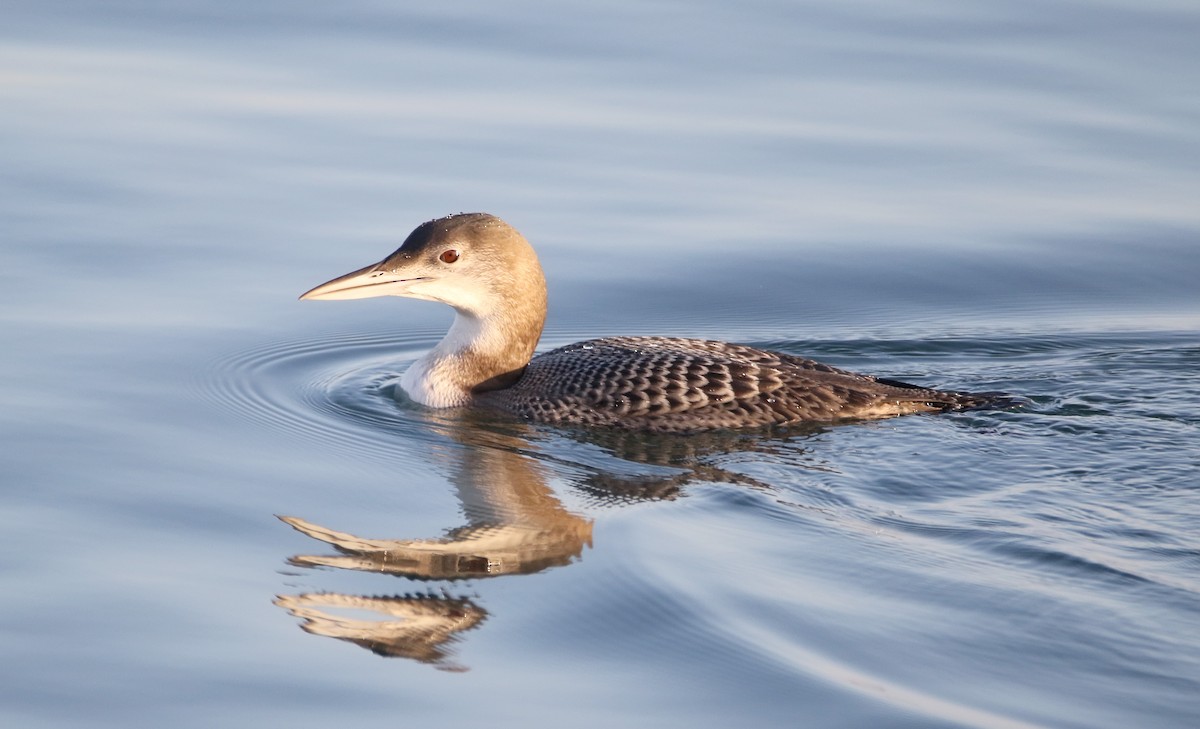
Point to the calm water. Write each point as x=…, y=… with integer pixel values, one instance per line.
x=989, y=195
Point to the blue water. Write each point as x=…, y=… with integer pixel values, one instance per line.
x=988, y=196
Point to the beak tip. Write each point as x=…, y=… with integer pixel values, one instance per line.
x=360, y=284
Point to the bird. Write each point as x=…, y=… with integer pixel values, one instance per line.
x=490, y=275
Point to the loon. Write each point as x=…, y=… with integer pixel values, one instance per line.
x=490, y=275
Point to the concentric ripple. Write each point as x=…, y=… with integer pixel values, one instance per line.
x=334, y=389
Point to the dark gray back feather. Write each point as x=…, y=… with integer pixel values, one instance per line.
x=682, y=385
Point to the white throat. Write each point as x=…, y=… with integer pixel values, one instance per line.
x=443, y=377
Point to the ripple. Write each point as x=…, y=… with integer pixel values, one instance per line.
x=335, y=389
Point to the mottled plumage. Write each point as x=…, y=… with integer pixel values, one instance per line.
x=663, y=384
x=488, y=272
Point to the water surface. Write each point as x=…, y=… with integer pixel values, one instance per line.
x=994, y=196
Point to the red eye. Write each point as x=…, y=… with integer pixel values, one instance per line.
x=449, y=256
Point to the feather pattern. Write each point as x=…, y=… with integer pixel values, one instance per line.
x=664, y=384
x=487, y=271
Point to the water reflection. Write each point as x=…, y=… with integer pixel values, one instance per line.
x=516, y=525
x=688, y=458
x=420, y=627
x=474, y=550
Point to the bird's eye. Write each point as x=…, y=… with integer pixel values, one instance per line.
x=449, y=256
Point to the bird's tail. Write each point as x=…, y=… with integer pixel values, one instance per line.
x=947, y=400
x=985, y=401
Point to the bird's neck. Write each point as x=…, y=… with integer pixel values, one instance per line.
x=476, y=355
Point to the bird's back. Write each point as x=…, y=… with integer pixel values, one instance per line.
x=666, y=384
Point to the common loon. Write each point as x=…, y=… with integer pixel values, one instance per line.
x=490, y=275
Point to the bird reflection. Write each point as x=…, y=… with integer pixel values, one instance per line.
x=515, y=525
x=419, y=627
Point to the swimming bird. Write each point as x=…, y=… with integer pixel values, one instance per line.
x=487, y=271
